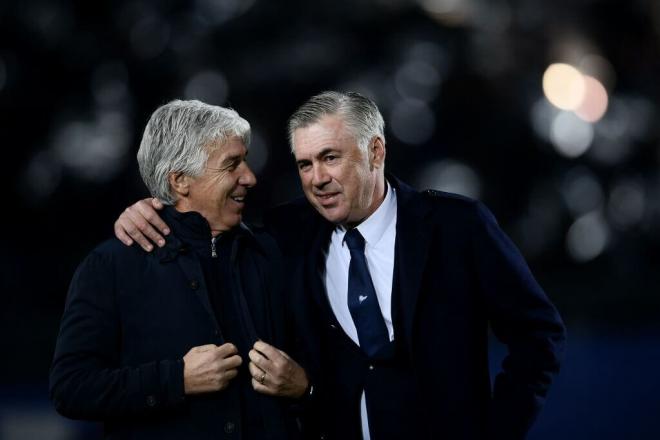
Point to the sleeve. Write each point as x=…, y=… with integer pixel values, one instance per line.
x=86, y=378
x=523, y=318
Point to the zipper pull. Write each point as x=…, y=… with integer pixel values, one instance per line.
x=214, y=254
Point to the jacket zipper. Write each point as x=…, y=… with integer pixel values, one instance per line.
x=214, y=254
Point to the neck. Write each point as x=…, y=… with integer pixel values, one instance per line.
x=215, y=230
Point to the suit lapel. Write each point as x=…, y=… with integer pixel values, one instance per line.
x=413, y=232
x=316, y=266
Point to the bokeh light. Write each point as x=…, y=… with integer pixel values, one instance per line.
x=563, y=86
x=417, y=80
x=587, y=237
x=581, y=191
x=208, y=86
x=542, y=115
x=594, y=103
x=41, y=177
x=412, y=121
x=450, y=176
x=627, y=203
x=109, y=84
x=570, y=135
x=94, y=150
x=600, y=68
x=150, y=36
x=540, y=226
x=218, y=12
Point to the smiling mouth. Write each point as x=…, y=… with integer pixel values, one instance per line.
x=238, y=199
x=325, y=198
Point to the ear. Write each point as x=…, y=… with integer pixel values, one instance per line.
x=377, y=152
x=180, y=183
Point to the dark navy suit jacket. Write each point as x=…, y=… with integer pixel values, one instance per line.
x=455, y=274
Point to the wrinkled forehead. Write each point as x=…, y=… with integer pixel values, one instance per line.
x=221, y=143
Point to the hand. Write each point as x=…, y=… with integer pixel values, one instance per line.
x=275, y=373
x=210, y=368
x=138, y=220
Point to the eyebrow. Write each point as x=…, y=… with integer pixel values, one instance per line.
x=234, y=158
x=319, y=154
x=326, y=151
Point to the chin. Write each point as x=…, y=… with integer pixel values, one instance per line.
x=332, y=215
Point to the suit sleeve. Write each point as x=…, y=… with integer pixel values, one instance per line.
x=87, y=380
x=523, y=318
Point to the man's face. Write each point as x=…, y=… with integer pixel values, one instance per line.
x=338, y=177
x=218, y=194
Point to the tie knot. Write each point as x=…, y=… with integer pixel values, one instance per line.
x=354, y=240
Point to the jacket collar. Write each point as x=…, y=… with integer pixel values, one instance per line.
x=191, y=232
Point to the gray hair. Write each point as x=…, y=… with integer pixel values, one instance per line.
x=360, y=115
x=177, y=138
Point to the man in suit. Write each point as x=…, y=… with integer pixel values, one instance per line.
x=156, y=345
x=394, y=291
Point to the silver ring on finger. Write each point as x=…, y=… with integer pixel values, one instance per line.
x=262, y=379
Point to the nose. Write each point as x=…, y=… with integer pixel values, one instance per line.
x=319, y=175
x=247, y=177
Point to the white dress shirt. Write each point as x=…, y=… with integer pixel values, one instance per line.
x=379, y=232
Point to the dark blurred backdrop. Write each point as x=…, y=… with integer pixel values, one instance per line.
x=546, y=111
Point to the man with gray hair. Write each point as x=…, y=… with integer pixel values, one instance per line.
x=156, y=345
x=395, y=289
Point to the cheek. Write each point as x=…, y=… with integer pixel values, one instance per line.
x=306, y=181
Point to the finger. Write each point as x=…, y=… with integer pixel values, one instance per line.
x=227, y=349
x=255, y=371
x=232, y=362
x=143, y=224
x=261, y=361
x=230, y=374
x=267, y=350
x=131, y=225
x=202, y=348
x=157, y=204
x=284, y=355
x=149, y=213
x=121, y=235
x=263, y=389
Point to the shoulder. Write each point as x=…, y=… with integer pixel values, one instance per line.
x=263, y=239
x=291, y=221
x=111, y=253
x=446, y=206
x=431, y=200
x=107, y=264
x=459, y=214
x=297, y=209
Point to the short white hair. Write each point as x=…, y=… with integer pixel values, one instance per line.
x=177, y=138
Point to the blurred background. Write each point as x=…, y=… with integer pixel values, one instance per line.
x=546, y=111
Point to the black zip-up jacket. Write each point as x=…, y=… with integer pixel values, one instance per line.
x=131, y=316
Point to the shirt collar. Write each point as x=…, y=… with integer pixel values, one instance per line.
x=373, y=227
